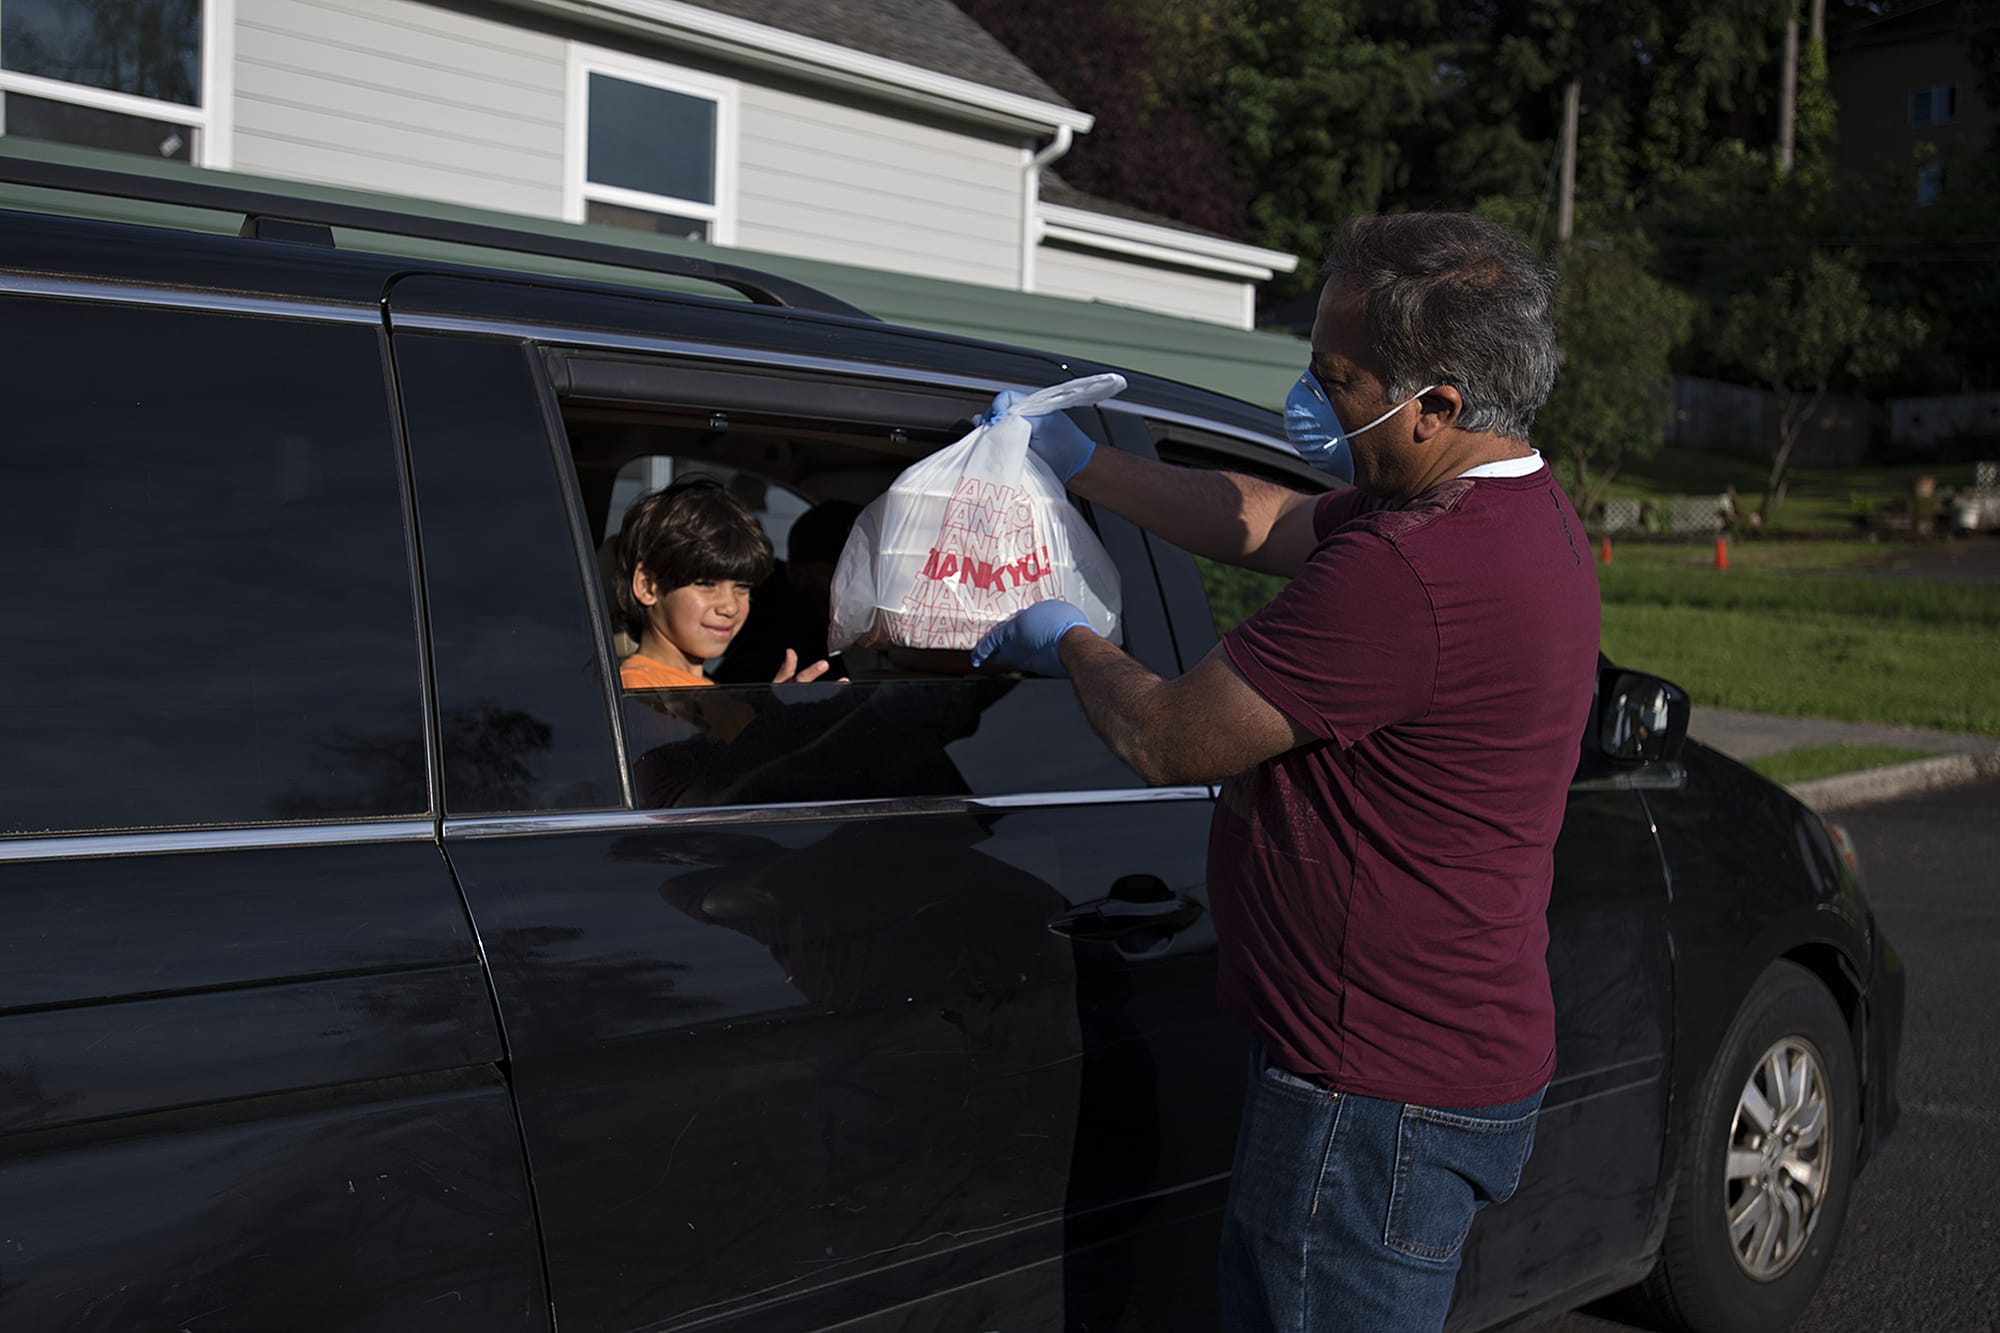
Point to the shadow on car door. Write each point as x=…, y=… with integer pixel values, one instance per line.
x=1587, y=1201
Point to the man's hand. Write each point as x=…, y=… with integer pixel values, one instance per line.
x=1028, y=641
x=1055, y=439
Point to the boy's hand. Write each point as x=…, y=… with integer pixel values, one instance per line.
x=1028, y=641
x=1055, y=439
x=792, y=674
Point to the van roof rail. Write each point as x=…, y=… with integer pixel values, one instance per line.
x=310, y=221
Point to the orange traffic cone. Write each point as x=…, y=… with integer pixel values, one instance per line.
x=1722, y=552
x=1604, y=549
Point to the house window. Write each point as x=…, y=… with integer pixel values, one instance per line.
x=651, y=147
x=1930, y=183
x=1935, y=105
x=129, y=76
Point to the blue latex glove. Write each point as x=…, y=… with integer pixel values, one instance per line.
x=1055, y=439
x=1028, y=641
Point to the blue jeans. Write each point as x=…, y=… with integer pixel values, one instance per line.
x=1347, y=1212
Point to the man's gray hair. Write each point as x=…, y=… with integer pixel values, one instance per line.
x=1450, y=298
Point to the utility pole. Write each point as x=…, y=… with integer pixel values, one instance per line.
x=1566, y=201
x=1788, y=93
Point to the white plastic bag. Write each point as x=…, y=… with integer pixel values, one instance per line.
x=971, y=535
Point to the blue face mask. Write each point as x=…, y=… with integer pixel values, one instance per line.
x=1315, y=430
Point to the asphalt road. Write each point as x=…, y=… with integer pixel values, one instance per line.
x=1921, y=1253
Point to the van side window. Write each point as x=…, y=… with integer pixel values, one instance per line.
x=909, y=724
x=1234, y=595
x=207, y=599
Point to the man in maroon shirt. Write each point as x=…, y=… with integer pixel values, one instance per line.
x=1397, y=730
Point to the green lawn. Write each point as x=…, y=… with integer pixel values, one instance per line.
x=1950, y=606
x=1757, y=556
x=1823, y=761
x=1899, y=651
x=1759, y=638
x=1815, y=664
x=1817, y=501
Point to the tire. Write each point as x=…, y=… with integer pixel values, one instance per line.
x=1757, y=1215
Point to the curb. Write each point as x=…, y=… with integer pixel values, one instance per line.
x=1897, y=780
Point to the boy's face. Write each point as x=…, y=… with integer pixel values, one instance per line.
x=698, y=619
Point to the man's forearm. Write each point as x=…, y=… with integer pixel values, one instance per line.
x=1224, y=516
x=1122, y=701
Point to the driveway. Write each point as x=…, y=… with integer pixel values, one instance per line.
x=1968, y=559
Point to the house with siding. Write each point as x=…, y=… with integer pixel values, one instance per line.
x=893, y=135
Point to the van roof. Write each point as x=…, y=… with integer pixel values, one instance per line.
x=1255, y=367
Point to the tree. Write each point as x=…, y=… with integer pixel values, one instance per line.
x=1801, y=332
x=1619, y=326
x=1151, y=147
x=150, y=48
x=1316, y=115
x=1282, y=119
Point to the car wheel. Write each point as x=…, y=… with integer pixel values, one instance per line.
x=1765, y=1175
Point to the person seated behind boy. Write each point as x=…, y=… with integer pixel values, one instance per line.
x=794, y=606
x=688, y=557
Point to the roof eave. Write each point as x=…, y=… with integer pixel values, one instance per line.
x=758, y=44
x=1103, y=231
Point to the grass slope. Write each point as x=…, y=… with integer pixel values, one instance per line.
x=1901, y=652
x=1824, y=761
x=1815, y=664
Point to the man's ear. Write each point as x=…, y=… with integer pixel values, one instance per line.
x=1438, y=411
x=642, y=586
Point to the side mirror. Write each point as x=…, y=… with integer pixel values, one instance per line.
x=1641, y=719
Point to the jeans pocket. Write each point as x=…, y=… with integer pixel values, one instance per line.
x=1449, y=1165
x=1276, y=1078
x=1285, y=1078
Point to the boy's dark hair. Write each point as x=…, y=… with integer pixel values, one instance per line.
x=692, y=530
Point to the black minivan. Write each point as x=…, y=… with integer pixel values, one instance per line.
x=348, y=980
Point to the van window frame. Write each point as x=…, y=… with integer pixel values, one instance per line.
x=109, y=300
x=579, y=369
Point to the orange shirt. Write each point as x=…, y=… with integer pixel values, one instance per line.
x=643, y=673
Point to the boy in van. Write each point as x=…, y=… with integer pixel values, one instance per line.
x=688, y=558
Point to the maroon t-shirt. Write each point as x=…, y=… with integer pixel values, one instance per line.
x=1380, y=895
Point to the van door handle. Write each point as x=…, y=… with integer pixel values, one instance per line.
x=1135, y=903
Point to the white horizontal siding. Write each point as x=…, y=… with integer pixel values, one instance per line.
x=400, y=96
x=1216, y=298
x=411, y=98
x=835, y=180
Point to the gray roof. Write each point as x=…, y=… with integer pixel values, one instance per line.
x=930, y=34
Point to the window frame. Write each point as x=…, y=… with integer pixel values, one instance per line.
x=1214, y=446
x=235, y=830
x=212, y=120
x=579, y=191
x=581, y=372
x=1937, y=92
x=1930, y=183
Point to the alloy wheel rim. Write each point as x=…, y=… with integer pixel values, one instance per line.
x=1775, y=1173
